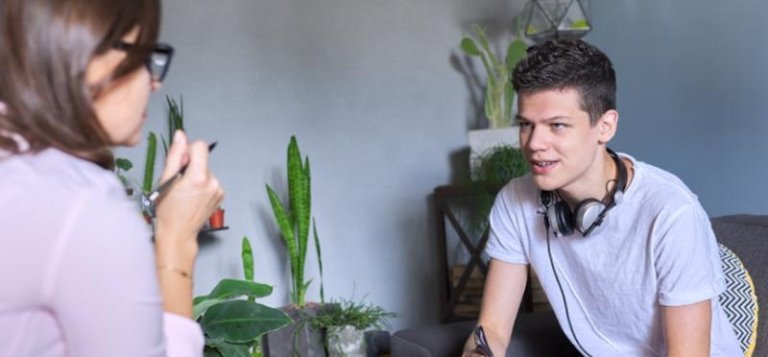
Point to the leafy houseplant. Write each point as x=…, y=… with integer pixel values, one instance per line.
x=294, y=219
x=345, y=323
x=498, y=165
x=233, y=326
x=499, y=93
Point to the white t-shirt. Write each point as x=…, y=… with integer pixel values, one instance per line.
x=657, y=248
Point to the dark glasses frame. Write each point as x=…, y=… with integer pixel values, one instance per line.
x=163, y=51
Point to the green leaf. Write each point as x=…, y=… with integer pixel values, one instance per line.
x=231, y=288
x=469, y=46
x=202, y=304
x=123, y=163
x=300, y=201
x=228, y=349
x=490, y=112
x=241, y=321
x=211, y=352
x=509, y=98
x=247, y=255
x=175, y=116
x=165, y=145
x=228, y=289
x=149, y=164
x=287, y=232
x=515, y=52
x=486, y=46
x=319, y=260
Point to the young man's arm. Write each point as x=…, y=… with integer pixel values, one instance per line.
x=502, y=294
x=687, y=329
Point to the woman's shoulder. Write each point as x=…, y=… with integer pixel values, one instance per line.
x=55, y=171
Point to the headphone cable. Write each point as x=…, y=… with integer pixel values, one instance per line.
x=562, y=293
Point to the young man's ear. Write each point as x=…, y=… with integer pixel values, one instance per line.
x=607, y=124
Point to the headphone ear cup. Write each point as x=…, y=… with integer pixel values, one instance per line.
x=561, y=218
x=588, y=215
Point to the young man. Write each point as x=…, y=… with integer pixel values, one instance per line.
x=623, y=250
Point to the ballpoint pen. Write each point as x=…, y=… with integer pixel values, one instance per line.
x=481, y=342
x=149, y=200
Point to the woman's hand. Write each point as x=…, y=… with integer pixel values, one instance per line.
x=193, y=198
x=181, y=212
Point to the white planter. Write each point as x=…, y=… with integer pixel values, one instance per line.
x=480, y=141
x=345, y=341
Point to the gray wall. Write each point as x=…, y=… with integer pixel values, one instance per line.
x=692, y=92
x=370, y=90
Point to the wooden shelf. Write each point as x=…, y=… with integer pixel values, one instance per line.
x=211, y=230
x=461, y=285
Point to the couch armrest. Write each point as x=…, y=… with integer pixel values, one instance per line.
x=536, y=334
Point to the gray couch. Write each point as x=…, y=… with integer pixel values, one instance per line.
x=538, y=334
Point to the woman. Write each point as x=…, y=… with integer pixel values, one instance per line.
x=80, y=274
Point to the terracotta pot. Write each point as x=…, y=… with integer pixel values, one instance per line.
x=217, y=219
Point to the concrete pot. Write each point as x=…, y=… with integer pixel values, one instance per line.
x=298, y=339
x=345, y=341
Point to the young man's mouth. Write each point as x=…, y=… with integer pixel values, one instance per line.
x=542, y=167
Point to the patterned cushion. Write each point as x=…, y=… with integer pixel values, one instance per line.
x=739, y=300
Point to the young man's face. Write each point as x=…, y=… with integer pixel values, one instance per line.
x=560, y=143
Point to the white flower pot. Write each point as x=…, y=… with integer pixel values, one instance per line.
x=345, y=341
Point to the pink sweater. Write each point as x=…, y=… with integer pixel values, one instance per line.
x=77, y=266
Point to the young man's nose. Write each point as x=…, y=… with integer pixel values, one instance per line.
x=535, y=139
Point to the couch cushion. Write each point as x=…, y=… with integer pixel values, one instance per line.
x=747, y=236
x=739, y=300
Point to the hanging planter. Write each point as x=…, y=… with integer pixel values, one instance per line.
x=555, y=19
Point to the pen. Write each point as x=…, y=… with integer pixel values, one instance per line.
x=149, y=201
x=483, y=348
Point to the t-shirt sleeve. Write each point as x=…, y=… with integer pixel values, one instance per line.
x=505, y=242
x=686, y=258
x=104, y=289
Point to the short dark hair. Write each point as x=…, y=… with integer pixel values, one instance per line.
x=569, y=64
x=45, y=49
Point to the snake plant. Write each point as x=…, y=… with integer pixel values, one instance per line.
x=294, y=220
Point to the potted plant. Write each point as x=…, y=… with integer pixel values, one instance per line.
x=499, y=164
x=345, y=323
x=232, y=321
x=499, y=93
x=293, y=220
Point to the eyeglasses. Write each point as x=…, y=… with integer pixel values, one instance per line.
x=158, y=62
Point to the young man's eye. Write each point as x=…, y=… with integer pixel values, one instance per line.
x=524, y=124
x=559, y=126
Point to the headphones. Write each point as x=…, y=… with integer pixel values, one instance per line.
x=588, y=214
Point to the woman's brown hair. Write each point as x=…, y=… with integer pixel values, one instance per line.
x=45, y=49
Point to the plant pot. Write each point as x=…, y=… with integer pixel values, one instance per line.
x=217, y=219
x=298, y=339
x=481, y=141
x=345, y=341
